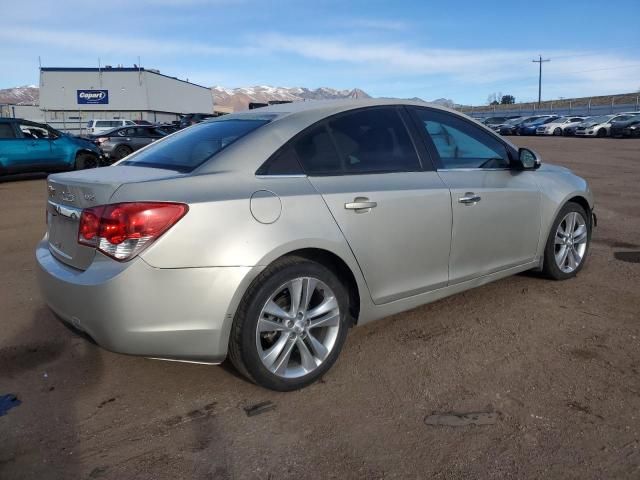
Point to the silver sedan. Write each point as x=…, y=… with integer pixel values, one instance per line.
x=264, y=236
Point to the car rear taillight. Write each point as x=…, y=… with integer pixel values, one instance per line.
x=123, y=230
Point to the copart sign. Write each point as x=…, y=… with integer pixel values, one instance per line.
x=92, y=97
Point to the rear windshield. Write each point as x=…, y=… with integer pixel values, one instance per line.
x=188, y=149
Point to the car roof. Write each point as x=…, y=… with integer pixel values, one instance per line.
x=288, y=119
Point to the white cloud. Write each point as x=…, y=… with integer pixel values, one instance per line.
x=375, y=24
x=473, y=66
x=104, y=43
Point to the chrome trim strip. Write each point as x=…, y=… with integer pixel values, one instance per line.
x=473, y=169
x=293, y=175
x=65, y=211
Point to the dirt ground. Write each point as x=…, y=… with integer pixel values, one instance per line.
x=559, y=361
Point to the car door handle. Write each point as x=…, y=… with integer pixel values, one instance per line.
x=361, y=205
x=470, y=198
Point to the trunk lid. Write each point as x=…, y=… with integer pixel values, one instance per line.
x=69, y=193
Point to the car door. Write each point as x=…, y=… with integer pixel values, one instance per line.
x=394, y=212
x=37, y=151
x=13, y=151
x=496, y=209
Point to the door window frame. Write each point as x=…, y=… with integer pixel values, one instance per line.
x=425, y=159
x=433, y=151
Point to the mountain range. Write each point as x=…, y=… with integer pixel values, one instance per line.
x=237, y=98
x=25, y=95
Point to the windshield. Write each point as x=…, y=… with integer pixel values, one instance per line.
x=513, y=121
x=600, y=119
x=623, y=118
x=560, y=120
x=190, y=148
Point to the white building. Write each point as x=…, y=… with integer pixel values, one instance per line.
x=70, y=97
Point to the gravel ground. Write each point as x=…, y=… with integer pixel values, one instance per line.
x=558, y=362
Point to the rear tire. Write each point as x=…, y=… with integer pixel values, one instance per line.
x=266, y=326
x=121, y=152
x=568, y=244
x=86, y=160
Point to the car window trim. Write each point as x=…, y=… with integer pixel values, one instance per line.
x=511, y=154
x=324, y=122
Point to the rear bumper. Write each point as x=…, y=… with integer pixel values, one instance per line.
x=133, y=308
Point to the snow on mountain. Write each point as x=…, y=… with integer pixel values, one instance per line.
x=239, y=98
x=25, y=95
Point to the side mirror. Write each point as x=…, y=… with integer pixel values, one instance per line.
x=528, y=159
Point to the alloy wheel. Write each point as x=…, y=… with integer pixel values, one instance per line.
x=298, y=327
x=571, y=242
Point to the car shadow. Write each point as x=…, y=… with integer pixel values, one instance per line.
x=36, y=365
x=17, y=177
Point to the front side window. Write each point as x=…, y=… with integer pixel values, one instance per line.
x=190, y=148
x=460, y=144
x=33, y=132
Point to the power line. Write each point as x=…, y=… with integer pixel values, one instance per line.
x=606, y=68
x=540, y=61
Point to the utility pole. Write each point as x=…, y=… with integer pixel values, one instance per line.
x=540, y=61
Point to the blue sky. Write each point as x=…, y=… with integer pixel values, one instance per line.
x=463, y=50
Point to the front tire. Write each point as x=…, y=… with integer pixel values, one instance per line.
x=557, y=132
x=568, y=243
x=602, y=133
x=86, y=160
x=121, y=152
x=291, y=325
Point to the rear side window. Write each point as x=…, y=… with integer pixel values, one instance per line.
x=284, y=162
x=190, y=148
x=6, y=131
x=374, y=140
x=366, y=141
x=317, y=153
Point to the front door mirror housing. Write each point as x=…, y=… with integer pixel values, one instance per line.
x=528, y=159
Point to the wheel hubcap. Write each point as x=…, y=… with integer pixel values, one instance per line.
x=571, y=242
x=298, y=327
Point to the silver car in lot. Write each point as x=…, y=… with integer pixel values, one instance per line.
x=263, y=236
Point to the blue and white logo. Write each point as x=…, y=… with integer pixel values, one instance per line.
x=92, y=97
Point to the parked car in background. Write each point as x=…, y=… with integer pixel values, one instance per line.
x=265, y=235
x=557, y=127
x=95, y=127
x=494, y=121
x=530, y=128
x=506, y=123
x=193, y=118
x=621, y=128
x=36, y=147
x=514, y=128
x=119, y=143
x=600, y=126
x=632, y=131
x=142, y=122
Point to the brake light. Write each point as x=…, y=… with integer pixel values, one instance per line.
x=123, y=230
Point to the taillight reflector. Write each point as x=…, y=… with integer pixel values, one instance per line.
x=123, y=230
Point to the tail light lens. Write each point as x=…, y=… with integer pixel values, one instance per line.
x=123, y=230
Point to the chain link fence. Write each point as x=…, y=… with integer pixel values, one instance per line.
x=575, y=106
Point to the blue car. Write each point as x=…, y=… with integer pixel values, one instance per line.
x=530, y=128
x=35, y=147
